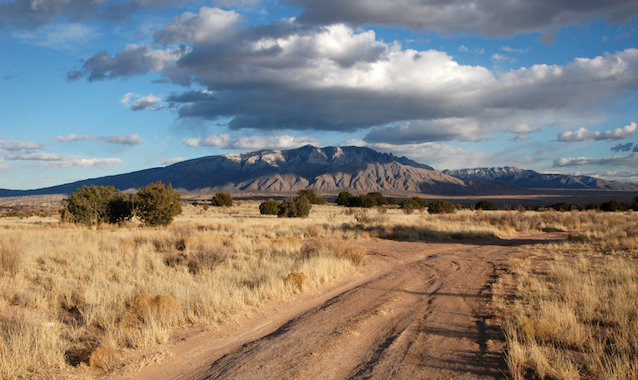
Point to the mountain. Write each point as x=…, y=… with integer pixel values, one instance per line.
x=529, y=179
x=325, y=170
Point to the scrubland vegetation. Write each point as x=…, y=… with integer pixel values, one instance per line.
x=77, y=301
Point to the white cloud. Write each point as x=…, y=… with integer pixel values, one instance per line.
x=584, y=134
x=73, y=137
x=60, y=161
x=210, y=25
x=122, y=140
x=414, y=132
x=513, y=50
x=630, y=160
x=464, y=49
x=3, y=167
x=439, y=156
x=146, y=102
x=17, y=145
x=252, y=142
x=502, y=58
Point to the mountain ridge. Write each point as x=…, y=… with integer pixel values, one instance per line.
x=329, y=170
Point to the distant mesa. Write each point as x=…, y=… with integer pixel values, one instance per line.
x=328, y=171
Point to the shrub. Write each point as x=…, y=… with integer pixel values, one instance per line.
x=485, y=205
x=93, y=205
x=297, y=279
x=157, y=204
x=311, y=196
x=593, y=206
x=612, y=206
x=344, y=199
x=390, y=201
x=294, y=208
x=269, y=208
x=441, y=207
x=576, y=206
x=160, y=309
x=415, y=203
x=222, y=199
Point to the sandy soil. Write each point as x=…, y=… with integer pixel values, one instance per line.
x=419, y=310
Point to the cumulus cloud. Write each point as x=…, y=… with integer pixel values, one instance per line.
x=513, y=50
x=132, y=60
x=630, y=160
x=73, y=137
x=31, y=14
x=142, y=103
x=583, y=134
x=622, y=147
x=122, y=140
x=252, y=142
x=288, y=76
x=415, y=132
x=209, y=26
x=482, y=17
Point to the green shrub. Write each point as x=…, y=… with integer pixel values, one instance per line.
x=390, y=201
x=157, y=204
x=269, y=208
x=222, y=199
x=93, y=205
x=344, y=198
x=294, y=208
x=311, y=196
x=634, y=203
x=441, y=207
x=485, y=205
x=612, y=206
x=414, y=203
x=593, y=206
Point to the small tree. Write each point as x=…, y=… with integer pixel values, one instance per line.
x=441, y=207
x=93, y=205
x=157, y=204
x=344, y=198
x=222, y=199
x=390, y=201
x=634, y=203
x=269, y=208
x=294, y=208
x=312, y=196
x=413, y=203
x=485, y=205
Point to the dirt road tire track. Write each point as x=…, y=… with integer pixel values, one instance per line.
x=421, y=311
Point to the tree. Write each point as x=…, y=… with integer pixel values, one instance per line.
x=294, y=208
x=93, y=205
x=485, y=205
x=312, y=196
x=269, y=208
x=157, y=204
x=441, y=207
x=222, y=199
x=344, y=199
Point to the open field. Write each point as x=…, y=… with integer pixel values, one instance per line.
x=85, y=302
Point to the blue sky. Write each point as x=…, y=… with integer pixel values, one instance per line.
x=90, y=88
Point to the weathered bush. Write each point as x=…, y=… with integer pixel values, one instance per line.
x=294, y=208
x=485, y=205
x=93, y=205
x=222, y=199
x=312, y=196
x=441, y=207
x=269, y=208
x=157, y=204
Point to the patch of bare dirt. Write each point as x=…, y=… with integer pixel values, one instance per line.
x=420, y=310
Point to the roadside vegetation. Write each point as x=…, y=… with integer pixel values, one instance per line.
x=80, y=299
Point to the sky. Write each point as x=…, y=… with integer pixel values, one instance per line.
x=90, y=88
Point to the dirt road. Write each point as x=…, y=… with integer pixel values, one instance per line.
x=418, y=311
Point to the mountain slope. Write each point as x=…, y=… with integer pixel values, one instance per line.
x=529, y=179
x=326, y=170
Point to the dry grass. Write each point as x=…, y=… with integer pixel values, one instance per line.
x=71, y=296
x=576, y=317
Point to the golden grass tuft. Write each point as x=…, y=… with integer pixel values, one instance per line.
x=160, y=309
x=105, y=358
x=297, y=279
